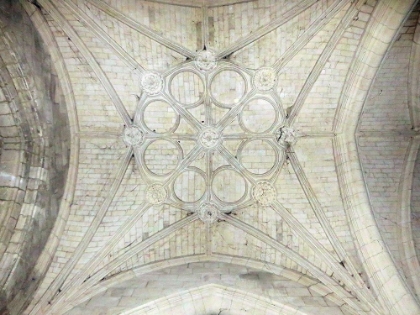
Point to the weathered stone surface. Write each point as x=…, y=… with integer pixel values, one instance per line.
x=226, y=157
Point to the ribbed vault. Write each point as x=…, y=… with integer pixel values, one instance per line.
x=226, y=155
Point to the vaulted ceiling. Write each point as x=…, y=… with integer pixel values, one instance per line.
x=210, y=157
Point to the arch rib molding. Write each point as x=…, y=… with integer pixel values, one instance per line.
x=376, y=259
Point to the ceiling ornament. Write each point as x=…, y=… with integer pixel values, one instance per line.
x=265, y=79
x=286, y=137
x=132, y=136
x=152, y=83
x=210, y=138
x=156, y=194
x=208, y=213
x=264, y=193
x=206, y=60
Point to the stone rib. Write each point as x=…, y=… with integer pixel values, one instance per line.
x=68, y=29
x=142, y=29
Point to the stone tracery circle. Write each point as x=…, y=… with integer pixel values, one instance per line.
x=228, y=86
x=264, y=193
x=158, y=116
x=265, y=79
x=259, y=115
x=205, y=60
x=161, y=156
x=209, y=138
x=156, y=194
x=187, y=86
x=266, y=152
x=229, y=185
x=152, y=83
x=190, y=185
x=208, y=213
x=132, y=135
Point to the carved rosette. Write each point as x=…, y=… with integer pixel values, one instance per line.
x=152, y=83
x=132, y=135
x=287, y=137
x=208, y=213
x=210, y=138
x=264, y=193
x=205, y=60
x=265, y=79
x=156, y=194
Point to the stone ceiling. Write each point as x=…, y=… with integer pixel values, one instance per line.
x=217, y=135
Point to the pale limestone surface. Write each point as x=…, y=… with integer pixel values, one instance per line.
x=163, y=285
x=228, y=157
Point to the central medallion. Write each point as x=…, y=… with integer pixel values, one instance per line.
x=210, y=138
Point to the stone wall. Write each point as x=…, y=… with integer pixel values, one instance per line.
x=34, y=154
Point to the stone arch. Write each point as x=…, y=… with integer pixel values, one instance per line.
x=137, y=289
x=410, y=231
x=381, y=32
x=410, y=224
x=35, y=136
x=214, y=299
